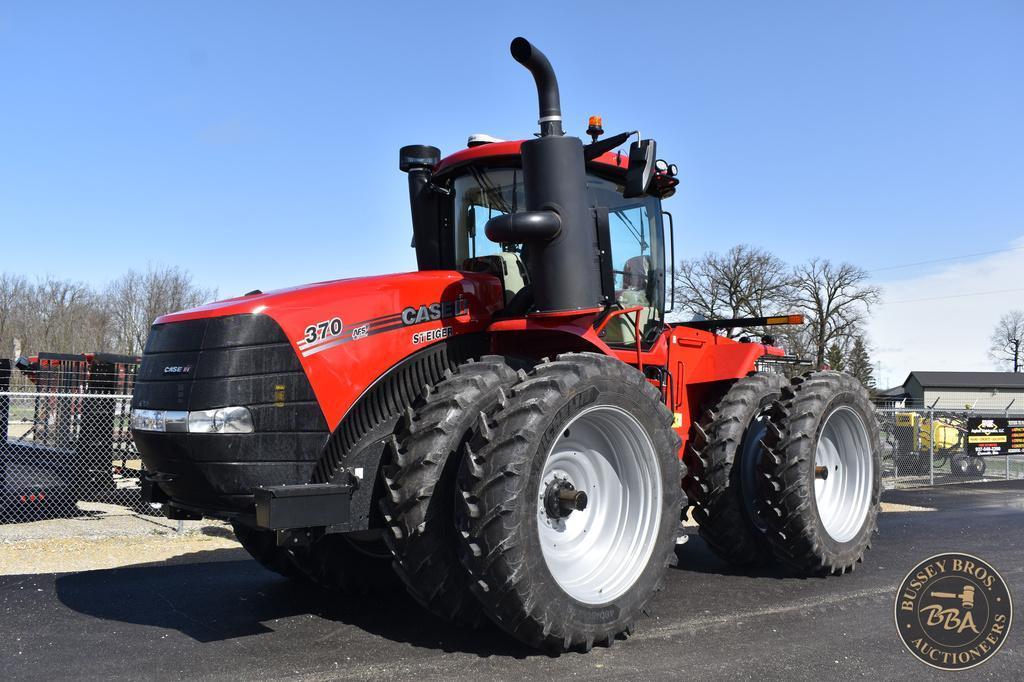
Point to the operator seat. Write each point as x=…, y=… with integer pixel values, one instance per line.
x=635, y=275
x=506, y=266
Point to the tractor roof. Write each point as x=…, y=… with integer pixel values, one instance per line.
x=509, y=151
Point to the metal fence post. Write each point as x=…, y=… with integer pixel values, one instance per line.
x=931, y=447
x=5, y=400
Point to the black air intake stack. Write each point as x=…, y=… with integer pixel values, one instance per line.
x=418, y=160
x=558, y=228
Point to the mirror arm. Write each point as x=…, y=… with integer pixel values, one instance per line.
x=596, y=149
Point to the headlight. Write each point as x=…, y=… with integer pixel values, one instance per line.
x=149, y=420
x=220, y=420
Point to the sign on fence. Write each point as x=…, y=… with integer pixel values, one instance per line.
x=991, y=436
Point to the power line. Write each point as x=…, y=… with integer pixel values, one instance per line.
x=939, y=298
x=946, y=260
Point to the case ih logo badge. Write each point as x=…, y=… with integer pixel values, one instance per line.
x=177, y=369
x=953, y=611
x=441, y=310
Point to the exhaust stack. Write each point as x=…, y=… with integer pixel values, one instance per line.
x=558, y=226
x=547, y=85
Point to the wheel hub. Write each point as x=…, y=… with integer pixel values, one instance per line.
x=561, y=498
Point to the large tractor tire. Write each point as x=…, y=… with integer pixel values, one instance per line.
x=571, y=503
x=724, y=479
x=262, y=546
x=420, y=506
x=823, y=472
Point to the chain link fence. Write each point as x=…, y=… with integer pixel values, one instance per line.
x=926, y=446
x=62, y=449
x=67, y=439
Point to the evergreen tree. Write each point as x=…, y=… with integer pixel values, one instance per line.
x=834, y=358
x=860, y=364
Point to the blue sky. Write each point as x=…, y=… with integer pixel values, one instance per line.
x=255, y=144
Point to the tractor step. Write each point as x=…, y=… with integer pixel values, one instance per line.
x=323, y=507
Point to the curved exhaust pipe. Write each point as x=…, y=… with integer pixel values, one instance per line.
x=547, y=85
x=558, y=223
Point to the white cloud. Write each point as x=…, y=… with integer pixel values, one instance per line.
x=945, y=334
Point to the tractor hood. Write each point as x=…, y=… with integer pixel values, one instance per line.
x=347, y=333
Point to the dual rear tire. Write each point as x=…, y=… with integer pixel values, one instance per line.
x=724, y=481
x=789, y=471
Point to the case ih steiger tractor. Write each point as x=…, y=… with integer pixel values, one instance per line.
x=514, y=429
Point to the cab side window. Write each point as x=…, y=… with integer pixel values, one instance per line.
x=631, y=255
x=637, y=260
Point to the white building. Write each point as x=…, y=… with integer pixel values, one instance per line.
x=988, y=391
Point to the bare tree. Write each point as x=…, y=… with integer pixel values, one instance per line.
x=1008, y=341
x=135, y=299
x=14, y=293
x=746, y=281
x=59, y=315
x=835, y=301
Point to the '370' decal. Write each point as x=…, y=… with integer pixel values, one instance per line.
x=316, y=335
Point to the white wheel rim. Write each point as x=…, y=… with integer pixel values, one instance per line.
x=843, y=494
x=597, y=554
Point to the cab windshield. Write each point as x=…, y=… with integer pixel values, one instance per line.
x=634, y=225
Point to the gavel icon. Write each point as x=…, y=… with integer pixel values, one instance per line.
x=966, y=597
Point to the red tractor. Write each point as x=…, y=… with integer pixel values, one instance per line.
x=514, y=430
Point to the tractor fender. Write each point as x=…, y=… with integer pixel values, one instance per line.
x=359, y=446
x=546, y=335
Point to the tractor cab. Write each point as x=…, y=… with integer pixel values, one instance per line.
x=484, y=181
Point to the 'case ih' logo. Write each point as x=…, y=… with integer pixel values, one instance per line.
x=177, y=369
x=441, y=310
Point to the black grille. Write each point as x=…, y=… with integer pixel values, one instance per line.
x=216, y=362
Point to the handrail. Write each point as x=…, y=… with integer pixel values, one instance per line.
x=636, y=329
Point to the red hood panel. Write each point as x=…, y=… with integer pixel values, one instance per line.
x=349, y=332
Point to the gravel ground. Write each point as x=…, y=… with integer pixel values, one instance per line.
x=27, y=557
x=98, y=520
x=105, y=536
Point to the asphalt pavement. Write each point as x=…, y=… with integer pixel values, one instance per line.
x=218, y=615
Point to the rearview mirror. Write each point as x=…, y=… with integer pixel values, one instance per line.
x=640, y=172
